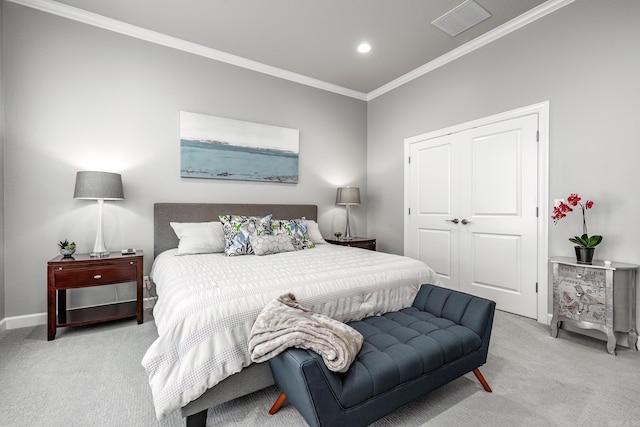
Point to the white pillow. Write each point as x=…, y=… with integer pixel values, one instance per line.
x=199, y=237
x=313, y=231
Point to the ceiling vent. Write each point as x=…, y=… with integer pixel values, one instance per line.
x=461, y=18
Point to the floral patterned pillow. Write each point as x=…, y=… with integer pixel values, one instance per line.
x=238, y=228
x=296, y=229
x=270, y=244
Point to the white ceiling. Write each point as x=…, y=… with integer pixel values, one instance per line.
x=314, y=38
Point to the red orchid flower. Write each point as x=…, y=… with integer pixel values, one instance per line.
x=573, y=199
x=560, y=211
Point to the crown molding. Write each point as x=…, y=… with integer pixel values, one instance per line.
x=490, y=36
x=90, y=18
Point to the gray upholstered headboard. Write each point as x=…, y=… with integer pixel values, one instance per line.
x=163, y=213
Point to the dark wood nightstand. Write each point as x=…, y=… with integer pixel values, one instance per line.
x=355, y=242
x=83, y=271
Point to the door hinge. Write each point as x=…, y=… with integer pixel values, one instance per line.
x=409, y=159
x=537, y=136
x=536, y=212
x=409, y=211
x=536, y=287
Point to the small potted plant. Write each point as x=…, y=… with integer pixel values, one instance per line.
x=67, y=249
x=585, y=244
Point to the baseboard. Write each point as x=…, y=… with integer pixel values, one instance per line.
x=37, y=319
x=26, y=321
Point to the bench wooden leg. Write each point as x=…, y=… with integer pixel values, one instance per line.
x=480, y=378
x=279, y=401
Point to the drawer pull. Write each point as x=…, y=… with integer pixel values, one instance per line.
x=578, y=276
x=98, y=276
x=130, y=262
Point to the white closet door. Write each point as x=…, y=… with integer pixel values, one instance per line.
x=473, y=201
x=434, y=238
x=499, y=242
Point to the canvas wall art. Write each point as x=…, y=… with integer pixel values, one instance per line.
x=220, y=148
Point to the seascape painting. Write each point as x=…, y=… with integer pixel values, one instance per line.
x=219, y=148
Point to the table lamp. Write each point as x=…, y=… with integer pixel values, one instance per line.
x=98, y=186
x=348, y=196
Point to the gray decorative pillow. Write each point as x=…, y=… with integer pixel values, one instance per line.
x=296, y=229
x=270, y=244
x=238, y=228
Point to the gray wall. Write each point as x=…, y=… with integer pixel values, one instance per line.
x=81, y=98
x=584, y=59
x=77, y=97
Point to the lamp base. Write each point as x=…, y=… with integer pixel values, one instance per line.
x=347, y=231
x=99, y=254
x=99, y=250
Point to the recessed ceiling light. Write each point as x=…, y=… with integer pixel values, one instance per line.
x=364, y=47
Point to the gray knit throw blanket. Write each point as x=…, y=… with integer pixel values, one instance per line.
x=284, y=323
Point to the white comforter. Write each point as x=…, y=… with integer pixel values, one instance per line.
x=208, y=303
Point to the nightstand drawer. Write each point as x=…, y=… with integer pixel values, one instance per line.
x=370, y=245
x=73, y=277
x=582, y=294
x=355, y=242
x=582, y=275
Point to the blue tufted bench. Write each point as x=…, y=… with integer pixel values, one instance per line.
x=405, y=355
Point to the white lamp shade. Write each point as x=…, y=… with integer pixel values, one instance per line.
x=348, y=196
x=98, y=185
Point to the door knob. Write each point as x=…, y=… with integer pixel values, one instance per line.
x=454, y=220
x=465, y=222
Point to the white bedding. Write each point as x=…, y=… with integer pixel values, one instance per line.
x=208, y=303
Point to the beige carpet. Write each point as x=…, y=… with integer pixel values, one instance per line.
x=91, y=376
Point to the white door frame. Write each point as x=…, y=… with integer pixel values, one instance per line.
x=542, y=110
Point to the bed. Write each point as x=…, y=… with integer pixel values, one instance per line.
x=192, y=371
